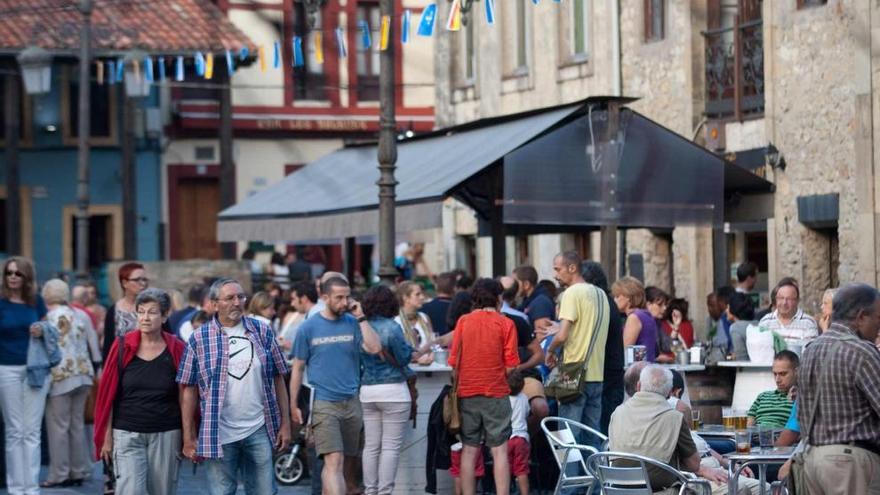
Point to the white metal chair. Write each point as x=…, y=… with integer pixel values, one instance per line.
x=571, y=456
x=632, y=478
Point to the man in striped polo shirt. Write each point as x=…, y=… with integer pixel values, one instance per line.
x=772, y=408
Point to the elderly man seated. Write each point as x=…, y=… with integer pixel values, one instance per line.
x=648, y=425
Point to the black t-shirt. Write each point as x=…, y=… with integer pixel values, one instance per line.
x=149, y=401
x=524, y=336
x=436, y=310
x=614, y=344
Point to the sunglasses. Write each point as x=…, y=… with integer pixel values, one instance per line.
x=10, y=273
x=140, y=280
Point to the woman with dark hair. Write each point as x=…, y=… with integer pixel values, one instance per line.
x=385, y=396
x=121, y=317
x=22, y=404
x=461, y=304
x=483, y=353
x=138, y=420
x=676, y=323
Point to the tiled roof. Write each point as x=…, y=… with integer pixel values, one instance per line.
x=154, y=26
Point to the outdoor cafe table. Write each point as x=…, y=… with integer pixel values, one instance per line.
x=762, y=457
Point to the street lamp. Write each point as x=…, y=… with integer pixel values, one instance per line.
x=312, y=7
x=136, y=85
x=36, y=70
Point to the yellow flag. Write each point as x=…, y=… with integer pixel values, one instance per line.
x=137, y=68
x=99, y=68
x=385, y=33
x=319, y=47
x=262, y=55
x=209, y=66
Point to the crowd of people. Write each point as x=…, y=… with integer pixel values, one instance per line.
x=227, y=378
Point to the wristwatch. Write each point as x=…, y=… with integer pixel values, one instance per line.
x=362, y=319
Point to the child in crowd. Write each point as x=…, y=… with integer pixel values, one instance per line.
x=455, y=468
x=518, y=448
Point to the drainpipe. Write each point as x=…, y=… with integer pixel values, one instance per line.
x=616, y=79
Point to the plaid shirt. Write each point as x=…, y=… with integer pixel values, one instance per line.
x=204, y=363
x=849, y=406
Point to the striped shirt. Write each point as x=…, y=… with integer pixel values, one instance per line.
x=849, y=405
x=204, y=364
x=771, y=408
x=801, y=327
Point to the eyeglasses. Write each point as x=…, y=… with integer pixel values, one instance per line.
x=234, y=297
x=140, y=280
x=16, y=273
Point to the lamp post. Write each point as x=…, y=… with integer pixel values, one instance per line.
x=83, y=131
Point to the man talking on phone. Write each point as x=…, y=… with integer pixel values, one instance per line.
x=329, y=344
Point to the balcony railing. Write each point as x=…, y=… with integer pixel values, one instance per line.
x=735, y=71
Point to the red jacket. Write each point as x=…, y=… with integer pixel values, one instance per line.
x=110, y=378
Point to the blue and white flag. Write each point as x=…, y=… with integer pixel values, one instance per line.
x=340, y=42
x=490, y=12
x=404, y=26
x=298, y=52
x=230, y=65
x=426, y=21
x=200, y=64
x=111, y=72
x=120, y=70
x=178, y=76
x=161, y=68
x=366, y=40
x=276, y=55
x=536, y=2
x=148, y=69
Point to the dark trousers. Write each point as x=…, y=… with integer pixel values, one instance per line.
x=612, y=396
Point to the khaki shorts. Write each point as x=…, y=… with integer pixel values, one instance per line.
x=485, y=418
x=336, y=426
x=533, y=388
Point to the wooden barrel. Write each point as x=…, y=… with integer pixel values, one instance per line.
x=710, y=390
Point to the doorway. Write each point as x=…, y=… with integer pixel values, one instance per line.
x=197, y=203
x=100, y=239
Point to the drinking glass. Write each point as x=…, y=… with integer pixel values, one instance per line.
x=695, y=419
x=727, y=418
x=765, y=437
x=743, y=441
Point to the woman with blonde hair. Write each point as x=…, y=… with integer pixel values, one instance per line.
x=640, y=327
x=22, y=405
x=824, y=319
x=417, y=329
x=262, y=308
x=70, y=384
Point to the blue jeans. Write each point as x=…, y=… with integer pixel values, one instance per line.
x=587, y=410
x=252, y=457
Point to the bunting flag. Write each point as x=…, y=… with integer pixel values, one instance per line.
x=200, y=64
x=404, y=26
x=276, y=55
x=340, y=42
x=454, y=21
x=209, y=66
x=137, y=69
x=161, y=68
x=111, y=72
x=319, y=47
x=298, y=52
x=120, y=70
x=366, y=41
x=536, y=2
x=178, y=76
x=490, y=12
x=261, y=53
x=99, y=72
x=243, y=53
x=426, y=21
x=148, y=69
x=230, y=66
x=385, y=32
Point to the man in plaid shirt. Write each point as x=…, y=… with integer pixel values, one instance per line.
x=233, y=368
x=839, y=394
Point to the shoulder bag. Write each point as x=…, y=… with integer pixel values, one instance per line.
x=566, y=380
x=388, y=356
x=451, y=410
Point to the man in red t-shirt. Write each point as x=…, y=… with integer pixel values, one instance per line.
x=483, y=354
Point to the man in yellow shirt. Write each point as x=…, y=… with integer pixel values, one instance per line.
x=583, y=330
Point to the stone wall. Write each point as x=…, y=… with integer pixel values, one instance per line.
x=656, y=254
x=181, y=275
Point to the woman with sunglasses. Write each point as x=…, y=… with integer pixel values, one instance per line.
x=137, y=411
x=121, y=317
x=21, y=404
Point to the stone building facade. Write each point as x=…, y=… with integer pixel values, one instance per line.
x=735, y=76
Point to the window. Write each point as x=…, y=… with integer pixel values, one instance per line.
x=810, y=3
x=24, y=113
x=102, y=108
x=309, y=81
x=368, y=58
x=465, y=64
x=516, y=36
x=655, y=16
x=578, y=29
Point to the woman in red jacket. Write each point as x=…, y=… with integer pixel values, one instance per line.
x=137, y=411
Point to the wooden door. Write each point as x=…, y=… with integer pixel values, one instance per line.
x=198, y=203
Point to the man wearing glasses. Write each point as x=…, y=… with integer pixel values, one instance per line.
x=233, y=367
x=788, y=320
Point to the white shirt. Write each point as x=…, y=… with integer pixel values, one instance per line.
x=802, y=327
x=186, y=331
x=423, y=335
x=242, y=411
x=519, y=405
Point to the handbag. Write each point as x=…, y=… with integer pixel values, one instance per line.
x=566, y=380
x=451, y=410
x=410, y=383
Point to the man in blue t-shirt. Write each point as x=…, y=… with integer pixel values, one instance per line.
x=329, y=343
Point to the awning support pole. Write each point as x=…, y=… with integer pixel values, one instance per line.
x=496, y=220
x=227, y=166
x=387, y=153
